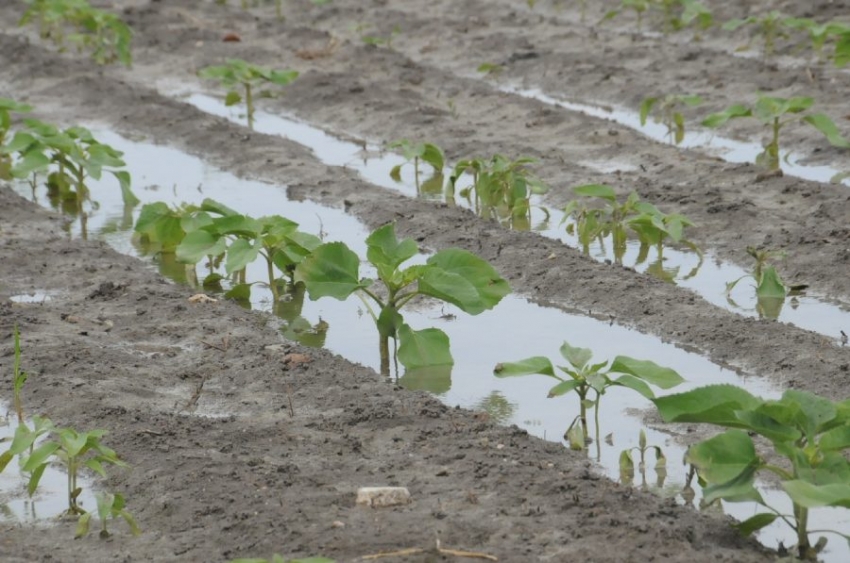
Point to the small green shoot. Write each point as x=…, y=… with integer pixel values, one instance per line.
x=424, y=152
x=627, y=464
x=818, y=34
x=668, y=111
x=381, y=40
x=770, y=27
x=109, y=507
x=236, y=74
x=771, y=291
x=74, y=450
x=776, y=113
x=452, y=275
x=75, y=21
x=584, y=377
x=7, y=108
x=674, y=14
x=811, y=433
x=490, y=69
x=19, y=377
x=502, y=189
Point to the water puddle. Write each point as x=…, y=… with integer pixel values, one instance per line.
x=730, y=150
x=51, y=497
x=36, y=297
x=708, y=278
x=346, y=329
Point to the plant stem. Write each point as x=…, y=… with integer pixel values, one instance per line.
x=801, y=514
x=249, y=103
x=384, y=347
x=416, y=172
x=272, y=284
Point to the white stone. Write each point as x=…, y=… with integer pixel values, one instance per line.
x=378, y=497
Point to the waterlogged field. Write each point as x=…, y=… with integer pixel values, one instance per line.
x=574, y=274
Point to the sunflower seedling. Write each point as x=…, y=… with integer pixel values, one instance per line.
x=776, y=113
x=627, y=464
x=381, y=40
x=7, y=108
x=109, y=507
x=674, y=14
x=770, y=289
x=770, y=27
x=416, y=153
x=236, y=74
x=75, y=21
x=19, y=377
x=452, y=275
x=811, y=433
x=819, y=34
x=501, y=188
x=668, y=111
x=590, y=381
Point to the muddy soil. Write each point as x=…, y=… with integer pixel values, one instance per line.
x=197, y=396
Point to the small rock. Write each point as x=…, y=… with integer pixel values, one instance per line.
x=338, y=524
x=378, y=497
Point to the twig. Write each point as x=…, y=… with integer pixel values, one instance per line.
x=289, y=396
x=216, y=346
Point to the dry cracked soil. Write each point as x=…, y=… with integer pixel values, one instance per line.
x=278, y=470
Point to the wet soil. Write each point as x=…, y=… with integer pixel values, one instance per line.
x=236, y=449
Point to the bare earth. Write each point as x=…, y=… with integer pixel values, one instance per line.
x=266, y=479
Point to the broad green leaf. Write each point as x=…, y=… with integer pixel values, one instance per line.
x=814, y=412
x=5, y=458
x=764, y=425
x=238, y=225
x=635, y=384
x=423, y=348
x=836, y=438
x=578, y=357
x=40, y=456
x=575, y=437
x=771, y=284
x=434, y=379
x=35, y=479
x=127, y=195
x=739, y=489
x=282, y=77
x=732, y=112
x=756, y=523
x=433, y=155
x=212, y=206
x=199, y=244
x=232, y=98
x=596, y=190
x=241, y=293
x=32, y=161
x=812, y=496
x=842, y=50
x=331, y=270
x=529, y=366
x=451, y=288
x=389, y=322
x=241, y=253
x=384, y=249
x=723, y=457
x=827, y=126
x=627, y=465
x=131, y=522
x=563, y=388
x=491, y=287
x=659, y=376
x=713, y=404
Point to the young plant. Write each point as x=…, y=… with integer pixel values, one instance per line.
x=770, y=26
x=770, y=289
x=627, y=464
x=811, y=433
x=502, y=189
x=76, y=22
x=668, y=110
x=615, y=219
x=452, y=275
x=109, y=507
x=381, y=40
x=7, y=108
x=590, y=381
x=236, y=74
x=74, y=450
x=416, y=153
x=69, y=159
x=490, y=69
x=818, y=34
x=675, y=14
x=776, y=113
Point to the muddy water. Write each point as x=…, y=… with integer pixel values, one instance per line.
x=346, y=329
x=707, y=277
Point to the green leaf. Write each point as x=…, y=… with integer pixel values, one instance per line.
x=578, y=357
x=489, y=285
x=596, y=190
x=40, y=456
x=198, y=244
x=241, y=253
x=635, y=384
x=232, y=98
x=836, y=438
x=826, y=126
x=434, y=379
x=423, y=348
x=724, y=457
x=433, y=155
x=395, y=172
x=659, y=376
x=389, y=322
x=563, y=388
x=240, y=293
x=451, y=288
x=32, y=161
x=384, y=249
x=529, y=366
x=713, y=404
x=732, y=112
x=812, y=496
x=755, y=523
x=35, y=479
x=627, y=466
x=765, y=425
x=127, y=195
x=646, y=108
x=771, y=284
x=331, y=270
